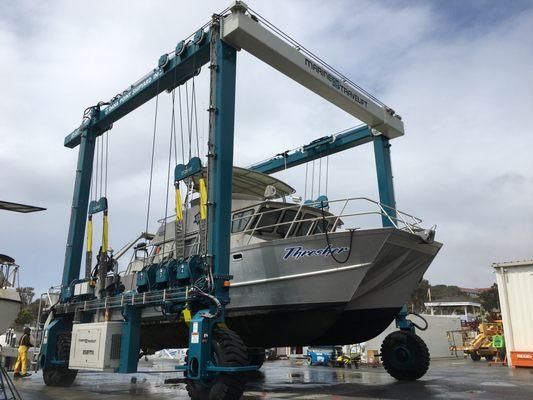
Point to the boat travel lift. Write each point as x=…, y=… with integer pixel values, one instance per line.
x=216, y=44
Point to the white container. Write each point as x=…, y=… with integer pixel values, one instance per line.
x=515, y=289
x=96, y=346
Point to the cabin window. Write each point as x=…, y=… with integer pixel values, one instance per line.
x=240, y=220
x=266, y=217
x=305, y=225
x=322, y=225
x=287, y=219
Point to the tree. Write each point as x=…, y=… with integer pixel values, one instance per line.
x=420, y=296
x=489, y=299
x=443, y=291
x=26, y=295
x=23, y=318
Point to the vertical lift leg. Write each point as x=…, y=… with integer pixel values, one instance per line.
x=384, y=173
x=220, y=169
x=221, y=162
x=78, y=215
x=131, y=340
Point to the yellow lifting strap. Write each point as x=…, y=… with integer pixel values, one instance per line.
x=203, y=199
x=90, y=234
x=187, y=315
x=179, y=205
x=105, y=233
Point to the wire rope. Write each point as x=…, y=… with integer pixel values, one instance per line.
x=97, y=165
x=319, y=175
x=101, y=165
x=171, y=140
x=189, y=130
x=327, y=173
x=91, y=189
x=152, y=160
x=174, y=143
x=313, y=180
x=305, y=186
x=181, y=127
x=195, y=110
x=106, y=160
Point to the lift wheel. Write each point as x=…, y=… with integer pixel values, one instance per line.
x=227, y=350
x=405, y=356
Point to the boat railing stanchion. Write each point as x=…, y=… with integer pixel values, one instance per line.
x=255, y=226
x=385, y=213
x=342, y=211
x=293, y=221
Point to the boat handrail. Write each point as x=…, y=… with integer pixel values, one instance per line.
x=403, y=220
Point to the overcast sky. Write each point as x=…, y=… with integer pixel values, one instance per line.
x=459, y=74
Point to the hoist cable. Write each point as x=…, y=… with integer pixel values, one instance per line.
x=327, y=173
x=313, y=180
x=181, y=127
x=189, y=130
x=152, y=160
x=91, y=188
x=305, y=186
x=106, y=160
x=319, y=175
x=174, y=124
x=195, y=110
x=101, y=164
x=174, y=115
x=172, y=132
x=96, y=172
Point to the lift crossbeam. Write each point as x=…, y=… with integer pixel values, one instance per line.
x=175, y=72
x=242, y=31
x=322, y=147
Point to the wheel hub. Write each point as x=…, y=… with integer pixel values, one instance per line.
x=402, y=354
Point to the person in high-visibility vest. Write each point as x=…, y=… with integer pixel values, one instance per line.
x=22, y=359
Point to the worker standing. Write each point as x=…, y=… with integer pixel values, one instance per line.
x=22, y=359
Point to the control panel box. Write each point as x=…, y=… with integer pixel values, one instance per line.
x=83, y=289
x=96, y=346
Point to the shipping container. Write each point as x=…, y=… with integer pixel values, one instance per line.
x=515, y=288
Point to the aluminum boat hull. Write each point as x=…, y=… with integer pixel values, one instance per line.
x=292, y=291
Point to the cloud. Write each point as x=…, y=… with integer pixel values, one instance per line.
x=463, y=86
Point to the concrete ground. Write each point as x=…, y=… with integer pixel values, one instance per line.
x=446, y=379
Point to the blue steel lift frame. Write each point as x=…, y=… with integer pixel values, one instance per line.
x=170, y=73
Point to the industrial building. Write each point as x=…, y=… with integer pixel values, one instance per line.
x=467, y=309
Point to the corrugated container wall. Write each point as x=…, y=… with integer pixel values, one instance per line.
x=515, y=287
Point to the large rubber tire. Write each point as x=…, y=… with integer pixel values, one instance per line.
x=489, y=357
x=60, y=375
x=228, y=350
x=475, y=356
x=405, y=356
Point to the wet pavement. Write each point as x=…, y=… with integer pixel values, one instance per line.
x=446, y=379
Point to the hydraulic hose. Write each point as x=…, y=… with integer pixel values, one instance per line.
x=422, y=318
